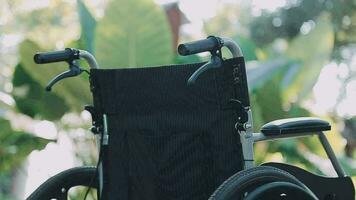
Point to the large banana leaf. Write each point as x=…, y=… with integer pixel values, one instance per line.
x=313, y=50
x=88, y=24
x=258, y=73
x=263, y=79
x=133, y=33
x=269, y=99
x=75, y=91
x=16, y=145
x=248, y=47
x=32, y=100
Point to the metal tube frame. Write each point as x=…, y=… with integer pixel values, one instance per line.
x=331, y=155
x=233, y=47
x=257, y=137
x=248, y=138
x=89, y=58
x=101, y=139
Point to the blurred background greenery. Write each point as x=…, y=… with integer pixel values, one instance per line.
x=301, y=62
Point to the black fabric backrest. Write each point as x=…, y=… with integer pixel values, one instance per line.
x=169, y=140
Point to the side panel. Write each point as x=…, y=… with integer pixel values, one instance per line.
x=336, y=188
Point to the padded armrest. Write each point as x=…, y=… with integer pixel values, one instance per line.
x=295, y=125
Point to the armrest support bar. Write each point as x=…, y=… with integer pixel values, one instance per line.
x=329, y=151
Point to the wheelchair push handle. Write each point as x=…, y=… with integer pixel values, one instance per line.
x=209, y=44
x=67, y=55
x=213, y=45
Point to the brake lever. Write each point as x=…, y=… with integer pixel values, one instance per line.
x=73, y=71
x=215, y=62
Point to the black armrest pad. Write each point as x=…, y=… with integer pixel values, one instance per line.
x=295, y=125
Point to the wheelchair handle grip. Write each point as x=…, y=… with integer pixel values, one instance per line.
x=211, y=43
x=68, y=55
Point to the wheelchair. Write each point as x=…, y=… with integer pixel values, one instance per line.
x=162, y=136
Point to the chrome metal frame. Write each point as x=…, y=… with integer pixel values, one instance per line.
x=89, y=58
x=93, y=64
x=248, y=138
x=233, y=47
x=257, y=137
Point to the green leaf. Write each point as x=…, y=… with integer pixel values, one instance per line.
x=290, y=75
x=16, y=145
x=133, y=33
x=256, y=113
x=349, y=165
x=263, y=79
x=75, y=91
x=32, y=100
x=47, y=24
x=258, y=73
x=88, y=24
x=313, y=50
x=187, y=59
x=248, y=48
x=269, y=100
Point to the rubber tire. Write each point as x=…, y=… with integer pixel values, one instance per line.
x=57, y=186
x=248, y=180
x=275, y=189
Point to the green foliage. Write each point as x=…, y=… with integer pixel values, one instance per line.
x=16, y=145
x=259, y=74
x=343, y=17
x=78, y=193
x=75, y=90
x=47, y=25
x=268, y=105
x=248, y=48
x=265, y=91
x=314, y=51
x=349, y=165
x=311, y=50
x=285, y=23
x=31, y=98
x=136, y=33
x=88, y=24
x=256, y=113
x=133, y=33
x=270, y=102
x=187, y=59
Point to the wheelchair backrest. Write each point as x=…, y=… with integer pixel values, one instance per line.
x=168, y=140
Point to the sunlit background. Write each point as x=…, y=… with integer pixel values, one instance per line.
x=300, y=54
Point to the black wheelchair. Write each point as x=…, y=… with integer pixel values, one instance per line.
x=162, y=136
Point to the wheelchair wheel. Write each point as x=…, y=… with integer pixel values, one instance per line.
x=279, y=190
x=243, y=183
x=57, y=187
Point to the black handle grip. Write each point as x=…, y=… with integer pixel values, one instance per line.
x=68, y=55
x=209, y=44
